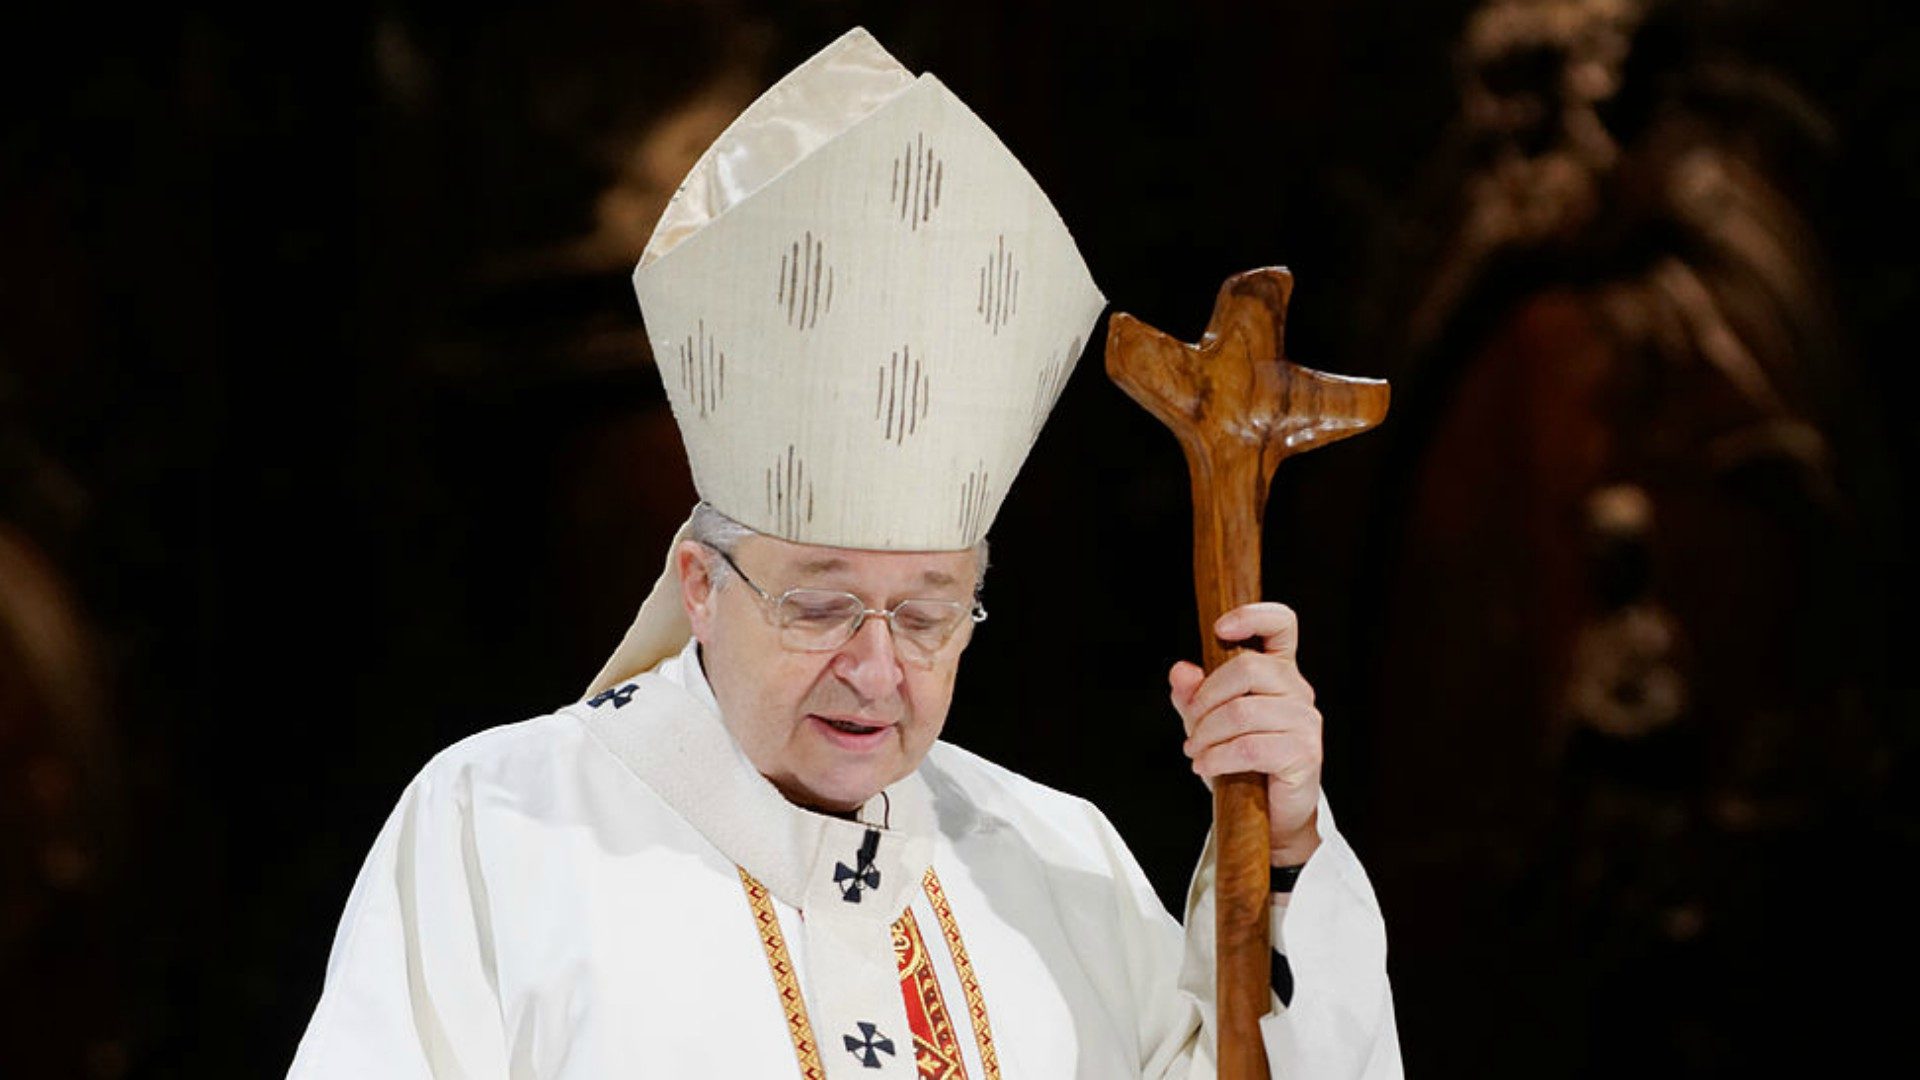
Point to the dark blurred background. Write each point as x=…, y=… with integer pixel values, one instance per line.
x=328, y=435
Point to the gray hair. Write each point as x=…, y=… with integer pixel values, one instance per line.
x=721, y=533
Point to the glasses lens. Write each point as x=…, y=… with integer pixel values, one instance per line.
x=817, y=618
x=927, y=624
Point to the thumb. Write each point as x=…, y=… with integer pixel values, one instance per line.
x=1184, y=679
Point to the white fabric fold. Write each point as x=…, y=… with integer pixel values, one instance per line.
x=659, y=629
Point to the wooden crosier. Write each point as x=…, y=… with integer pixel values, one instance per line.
x=1239, y=409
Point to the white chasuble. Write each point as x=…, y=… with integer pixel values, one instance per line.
x=614, y=891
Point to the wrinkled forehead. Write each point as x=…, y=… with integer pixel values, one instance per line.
x=897, y=573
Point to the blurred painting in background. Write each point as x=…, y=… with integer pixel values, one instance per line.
x=329, y=435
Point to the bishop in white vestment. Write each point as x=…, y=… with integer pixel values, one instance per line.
x=745, y=853
x=614, y=891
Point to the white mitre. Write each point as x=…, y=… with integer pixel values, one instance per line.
x=863, y=309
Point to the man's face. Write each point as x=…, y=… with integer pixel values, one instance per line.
x=796, y=713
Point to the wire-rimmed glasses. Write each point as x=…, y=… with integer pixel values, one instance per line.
x=821, y=620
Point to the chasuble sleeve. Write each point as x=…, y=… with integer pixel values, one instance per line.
x=1155, y=978
x=1339, y=1022
x=409, y=990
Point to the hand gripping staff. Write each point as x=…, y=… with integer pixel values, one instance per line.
x=1239, y=409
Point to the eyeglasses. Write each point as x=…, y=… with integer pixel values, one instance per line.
x=821, y=620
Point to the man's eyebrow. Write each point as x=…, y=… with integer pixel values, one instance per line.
x=825, y=565
x=832, y=563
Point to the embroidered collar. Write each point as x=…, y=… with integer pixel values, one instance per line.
x=665, y=726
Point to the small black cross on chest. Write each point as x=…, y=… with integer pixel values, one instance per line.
x=618, y=695
x=869, y=1046
x=862, y=875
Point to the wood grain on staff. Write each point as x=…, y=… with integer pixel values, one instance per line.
x=1239, y=409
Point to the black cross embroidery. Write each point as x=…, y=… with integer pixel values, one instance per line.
x=862, y=875
x=619, y=697
x=869, y=1041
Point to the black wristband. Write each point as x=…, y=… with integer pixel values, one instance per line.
x=1281, y=878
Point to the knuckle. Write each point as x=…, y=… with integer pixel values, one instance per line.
x=1312, y=749
x=1247, y=754
x=1303, y=689
x=1239, y=671
x=1244, y=714
x=1257, y=752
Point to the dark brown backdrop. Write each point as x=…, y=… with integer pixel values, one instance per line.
x=328, y=437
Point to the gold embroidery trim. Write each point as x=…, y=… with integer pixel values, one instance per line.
x=774, y=944
x=969, y=982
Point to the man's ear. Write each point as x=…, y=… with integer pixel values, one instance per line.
x=696, y=586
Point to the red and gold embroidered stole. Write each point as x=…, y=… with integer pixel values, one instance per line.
x=936, y=1046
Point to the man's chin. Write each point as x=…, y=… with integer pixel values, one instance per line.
x=828, y=804
x=838, y=795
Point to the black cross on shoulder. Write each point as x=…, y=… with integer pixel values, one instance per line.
x=867, y=1044
x=619, y=696
x=863, y=874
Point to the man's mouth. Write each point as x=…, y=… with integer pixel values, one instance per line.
x=852, y=734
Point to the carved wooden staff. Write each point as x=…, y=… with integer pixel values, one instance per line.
x=1239, y=409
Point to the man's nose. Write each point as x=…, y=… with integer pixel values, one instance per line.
x=867, y=662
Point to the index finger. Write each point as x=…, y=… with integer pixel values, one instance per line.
x=1270, y=627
